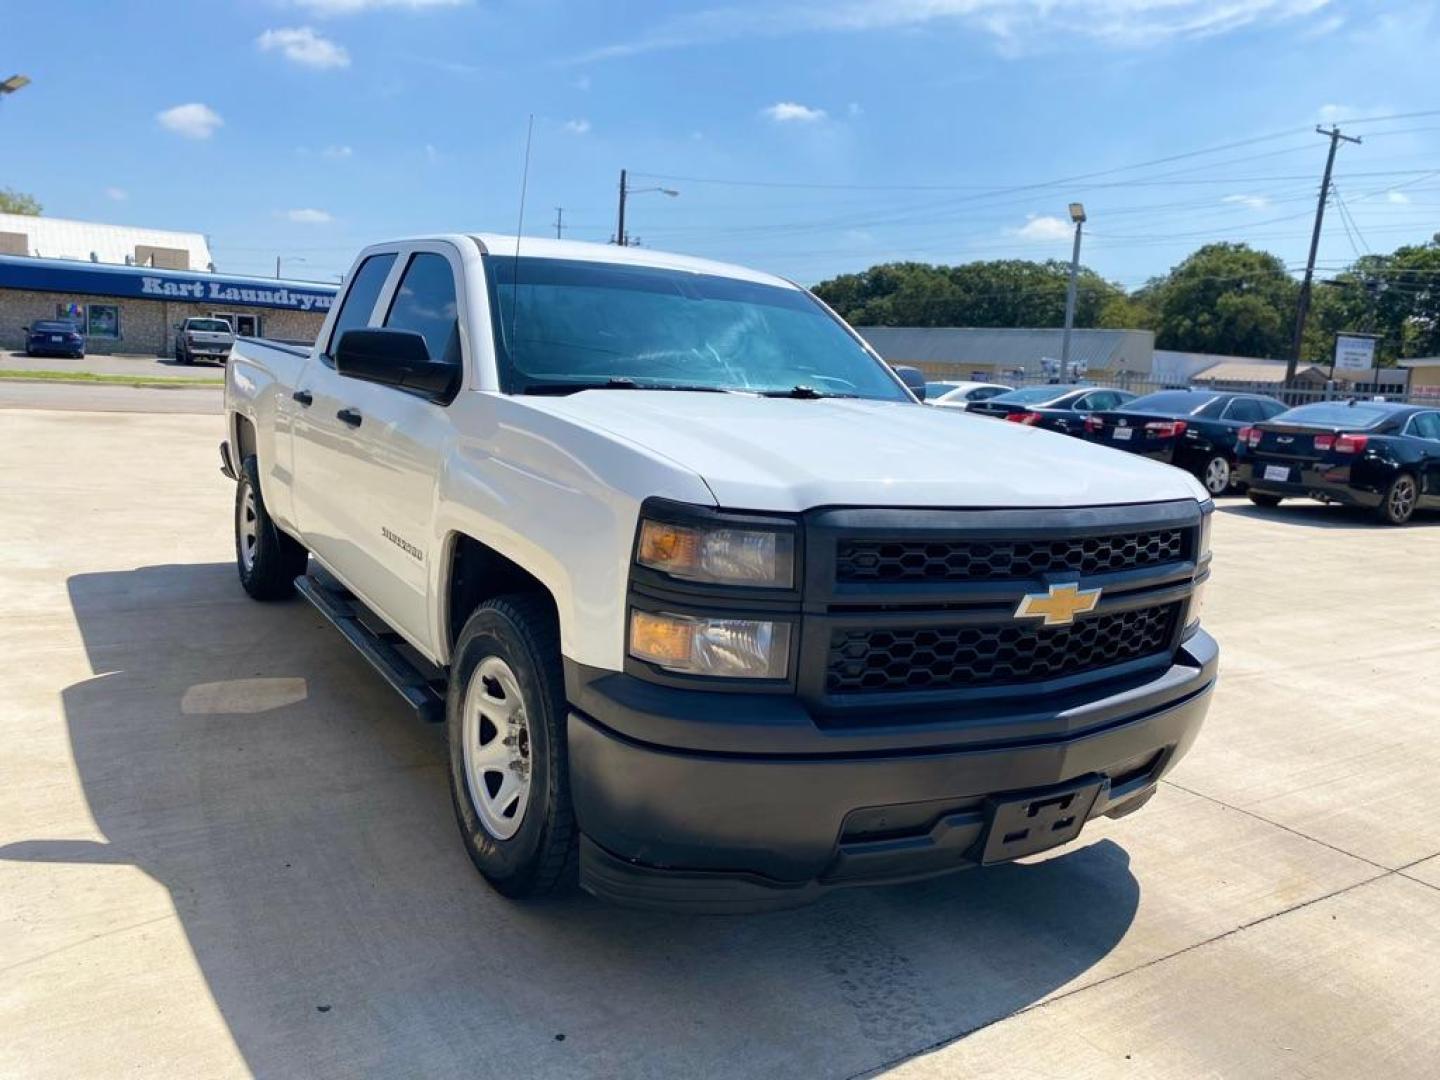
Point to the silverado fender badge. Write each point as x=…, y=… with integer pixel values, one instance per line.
x=1059, y=605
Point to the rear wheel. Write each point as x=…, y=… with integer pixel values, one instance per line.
x=1398, y=502
x=1216, y=475
x=509, y=770
x=268, y=560
x=1261, y=499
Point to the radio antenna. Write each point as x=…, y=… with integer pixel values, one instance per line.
x=519, y=227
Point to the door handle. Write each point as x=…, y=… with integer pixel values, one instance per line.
x=304, y=397
x=349, y=416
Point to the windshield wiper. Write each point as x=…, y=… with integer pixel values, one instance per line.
x=616, y=383
x=808, y=393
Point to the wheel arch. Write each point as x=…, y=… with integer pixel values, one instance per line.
x=473, y=573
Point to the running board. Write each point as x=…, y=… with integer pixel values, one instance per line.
x=378, y=644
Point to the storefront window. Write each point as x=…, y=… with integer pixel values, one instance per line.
x=104, y=320
x=71, y=313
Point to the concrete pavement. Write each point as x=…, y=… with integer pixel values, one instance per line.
x=106, y=364
x=225, y=849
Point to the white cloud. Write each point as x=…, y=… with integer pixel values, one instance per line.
x=1015, y=25
x=355, y=7
x=854, y=109
x=302, y=45
x=1252, y=202
x=193, y=121
x=339, y=153
x=577, y=127
x=1044, y=228
x=116, y=194
x=784, y=112
x=309, y=216
x=1399, y=198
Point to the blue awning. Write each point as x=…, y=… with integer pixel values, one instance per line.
x=142, y=283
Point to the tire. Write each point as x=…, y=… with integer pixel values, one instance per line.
x=509, y=651
x=1261, y=499
x=268, y=560
x=183, y=358
x=1397, y=505
x=1217, y=475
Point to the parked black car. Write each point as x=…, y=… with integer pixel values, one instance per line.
x=54, y=337
x=1380, y=455
x=1194, y=429
x=1057, y=408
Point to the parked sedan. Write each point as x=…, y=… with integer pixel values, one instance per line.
x=956, y=395
x=54, y=337
x=1380, y=455
x=1058, y=408
x=1194, y=429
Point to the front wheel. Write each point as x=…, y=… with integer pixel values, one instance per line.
x=1261, y=499
x=269, y=561
x=1398, y=502
x=1216, y=475
x=509, y=770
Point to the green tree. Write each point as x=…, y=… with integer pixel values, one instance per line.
x=17, y=202
x=999, y=293
x=1224, y=298
x=1396, y=296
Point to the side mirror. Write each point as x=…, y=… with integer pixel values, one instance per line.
x=912, y=377
x=398, y=358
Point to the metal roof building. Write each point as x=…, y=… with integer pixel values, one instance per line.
x=965, y=352
x=91, y=241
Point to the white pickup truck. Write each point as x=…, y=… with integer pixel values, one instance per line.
x=716, y=614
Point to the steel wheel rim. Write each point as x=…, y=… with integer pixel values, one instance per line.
x=1217, y=476
x=495, y=735
x=248, y=527
x=1402, y=498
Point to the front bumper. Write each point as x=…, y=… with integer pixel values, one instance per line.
x=715, y=830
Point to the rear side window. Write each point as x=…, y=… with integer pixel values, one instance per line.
x=360, y=298
x=1244, y=410
x=1272, y=408
x=1426, y=425
x=425, y=303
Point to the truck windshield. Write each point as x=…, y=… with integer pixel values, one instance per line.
x=587, y=324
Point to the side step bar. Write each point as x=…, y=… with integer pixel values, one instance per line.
x=378, y=645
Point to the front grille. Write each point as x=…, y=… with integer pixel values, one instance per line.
x=1003, y=560
x=960, y=657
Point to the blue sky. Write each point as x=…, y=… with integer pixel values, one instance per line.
x=807, y=138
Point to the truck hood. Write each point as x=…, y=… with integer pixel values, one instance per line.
x=786, y=454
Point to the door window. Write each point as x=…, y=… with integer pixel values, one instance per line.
x=360, y=298
x=425, y=303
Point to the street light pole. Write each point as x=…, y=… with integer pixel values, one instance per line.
x=1077, y=215
x=625, y=192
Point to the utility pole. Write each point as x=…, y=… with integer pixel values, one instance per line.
x=559, y=222
x=1077, y=215
x=620, y=219
x=1303, y=308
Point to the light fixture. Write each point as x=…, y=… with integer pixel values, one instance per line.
x=13, y=83
x=1077, y=212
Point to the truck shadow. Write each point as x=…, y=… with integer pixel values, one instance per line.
x=246, y=759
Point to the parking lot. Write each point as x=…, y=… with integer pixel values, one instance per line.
x=225, y=848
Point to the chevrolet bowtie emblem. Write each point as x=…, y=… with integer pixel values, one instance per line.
x=1059, y=605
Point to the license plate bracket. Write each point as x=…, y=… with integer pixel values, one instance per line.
x=1035, y=822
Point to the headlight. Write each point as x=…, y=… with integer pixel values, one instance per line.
x=1207, y=515
x=733, y=648
x=718, y=554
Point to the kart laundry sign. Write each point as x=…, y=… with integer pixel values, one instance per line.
x=230, y=293
x=142, y=283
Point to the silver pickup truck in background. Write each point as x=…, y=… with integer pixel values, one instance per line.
x=203, y=339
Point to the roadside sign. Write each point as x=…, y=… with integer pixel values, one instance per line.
x=1354, y=352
